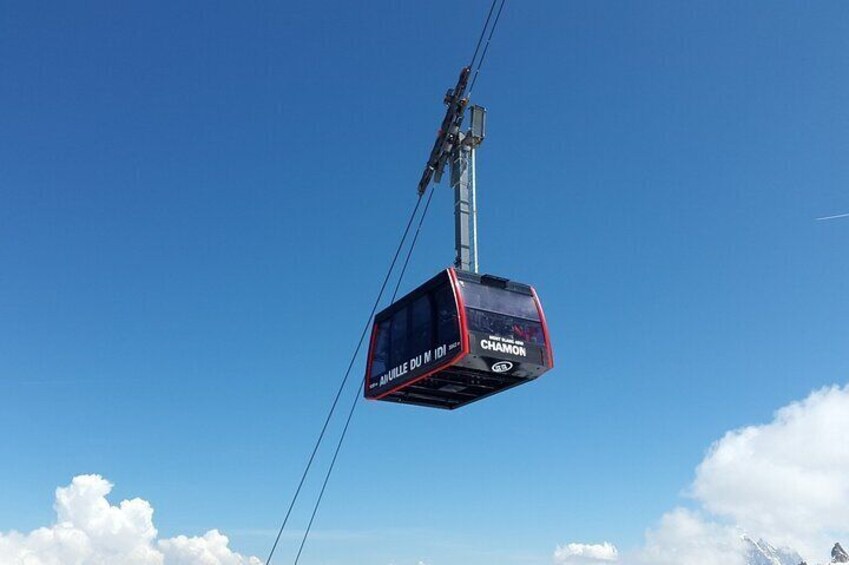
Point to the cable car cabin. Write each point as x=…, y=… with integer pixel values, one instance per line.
x=457, y=338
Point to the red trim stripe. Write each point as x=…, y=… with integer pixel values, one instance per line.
x=450, y=363
x=549, y=350
x=374, y=331
x=461, y=308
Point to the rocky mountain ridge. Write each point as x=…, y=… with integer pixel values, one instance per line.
x=762, y=553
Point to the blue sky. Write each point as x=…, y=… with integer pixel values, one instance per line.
x=198, y=200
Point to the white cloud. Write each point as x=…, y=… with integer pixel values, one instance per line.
x=684, y=537
x=90, y=531
x=585, y=553
x=210, y=549
x=786, y=481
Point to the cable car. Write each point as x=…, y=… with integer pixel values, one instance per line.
x=457, y=338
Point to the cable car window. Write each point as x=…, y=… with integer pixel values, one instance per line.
x=421, y=325
x=494, y=299
x=447, y=327
x=529, y=332
x=381, y=349
x=399, y=344
x=492, y=323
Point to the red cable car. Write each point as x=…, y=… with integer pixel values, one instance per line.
x=457, y=338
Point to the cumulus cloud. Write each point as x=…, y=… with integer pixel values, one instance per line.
x=89, y=530
x=684, y=536
x=581, y=553
x=785, y=481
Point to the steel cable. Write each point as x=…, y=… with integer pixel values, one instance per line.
x=483, y=31
x=412, y=245
x=355, y=402
x=486, y=47
x=369, y=323
x=345, y=379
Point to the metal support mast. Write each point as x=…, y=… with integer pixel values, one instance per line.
x=460, y=181
x=463, y=180
x=458, y=148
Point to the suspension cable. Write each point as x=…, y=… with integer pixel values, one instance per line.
x=354, y=405
x=483, y=31
x=368, y=324
x=412, y=245
x=344, y=380
x=355, y=402
x=486, y=47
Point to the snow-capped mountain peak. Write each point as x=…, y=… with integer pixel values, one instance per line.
x=838, y=554
x=762, y=553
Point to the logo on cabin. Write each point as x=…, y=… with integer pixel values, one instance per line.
x=504, y=345
x=502, y=367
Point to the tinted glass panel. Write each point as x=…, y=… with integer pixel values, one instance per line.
x=505, y=326
x=381, y=349
x=421, y=324
x=421, y=336
x=447, y=326
x=496, y=299
x=399, y=345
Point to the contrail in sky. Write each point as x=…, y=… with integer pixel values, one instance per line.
x=833, y=217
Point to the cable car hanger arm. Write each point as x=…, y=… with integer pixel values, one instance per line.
x=448, y=133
